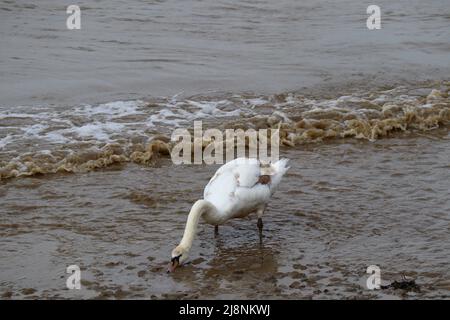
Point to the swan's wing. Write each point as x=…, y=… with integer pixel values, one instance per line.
x=253, y=190
x=244, y=173
x=247, y=172
x=239, y=173
x=220, y=190
x=261, y=183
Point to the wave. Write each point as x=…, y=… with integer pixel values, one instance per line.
x=39, y=140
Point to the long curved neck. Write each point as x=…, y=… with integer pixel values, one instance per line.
x=199, y=208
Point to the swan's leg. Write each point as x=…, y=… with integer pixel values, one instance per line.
x=216, y=230
x=260, y=224
x=260, y=228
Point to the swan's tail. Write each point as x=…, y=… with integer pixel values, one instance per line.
x=280, y=167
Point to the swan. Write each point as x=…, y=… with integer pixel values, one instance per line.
x=238, y=188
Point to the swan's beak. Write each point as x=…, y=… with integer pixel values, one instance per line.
x=173, y=265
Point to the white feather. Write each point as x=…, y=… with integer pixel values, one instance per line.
x=234, y=189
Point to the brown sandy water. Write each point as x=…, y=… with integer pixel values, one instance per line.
x=342, y=206
x=364, y=117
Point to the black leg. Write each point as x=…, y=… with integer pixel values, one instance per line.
x=260, y=228
x=260, y=224
x=216, y=231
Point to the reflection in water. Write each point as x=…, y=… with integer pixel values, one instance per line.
x=242, y=259
x=250, y=267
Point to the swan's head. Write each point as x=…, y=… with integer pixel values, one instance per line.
x=179, y=256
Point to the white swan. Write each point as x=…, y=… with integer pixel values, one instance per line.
x=238, y=188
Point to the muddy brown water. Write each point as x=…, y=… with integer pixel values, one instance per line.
x=366, y=115
x=342, y=206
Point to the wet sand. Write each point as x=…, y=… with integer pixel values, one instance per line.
x=343, y=206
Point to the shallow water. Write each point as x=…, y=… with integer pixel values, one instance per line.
x=342, y=207
x=36, y=140
x=86, y=117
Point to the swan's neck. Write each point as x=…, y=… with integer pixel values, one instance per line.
x=199, y=208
